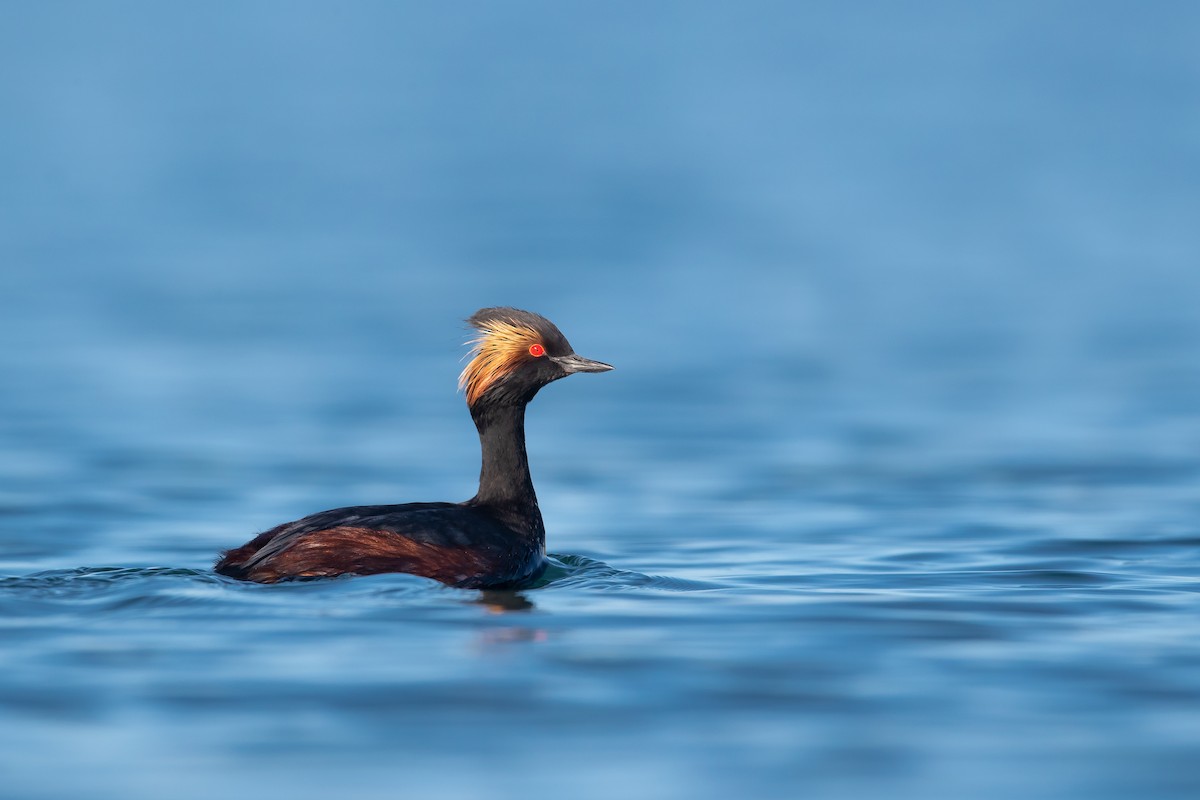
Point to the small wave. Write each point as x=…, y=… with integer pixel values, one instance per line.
x=108, y=588
x=573, y=571
x=160, y=589
x=119, y=588
x=86, y=579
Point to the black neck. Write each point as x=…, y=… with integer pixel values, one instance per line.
x=504, y=481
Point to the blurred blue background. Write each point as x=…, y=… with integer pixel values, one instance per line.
x=903, y=302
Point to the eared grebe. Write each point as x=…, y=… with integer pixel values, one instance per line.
x=494, y=539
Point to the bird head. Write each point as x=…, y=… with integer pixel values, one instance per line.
x=513, y=354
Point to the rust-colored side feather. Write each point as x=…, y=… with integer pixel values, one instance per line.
x=231, y=561
x=362, y=551
x=497, y=350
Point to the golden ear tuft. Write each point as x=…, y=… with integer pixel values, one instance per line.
x=496, y=351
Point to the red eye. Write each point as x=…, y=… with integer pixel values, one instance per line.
x=536, y=350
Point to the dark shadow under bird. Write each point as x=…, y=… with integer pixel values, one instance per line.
x=493, y=540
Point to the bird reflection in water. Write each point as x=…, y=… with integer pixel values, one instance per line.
x=499, y=601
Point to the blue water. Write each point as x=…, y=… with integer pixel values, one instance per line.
x=895, y=490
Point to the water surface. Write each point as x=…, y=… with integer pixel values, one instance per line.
x=894, y=491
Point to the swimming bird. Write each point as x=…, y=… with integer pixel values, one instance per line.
x=496, y=538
